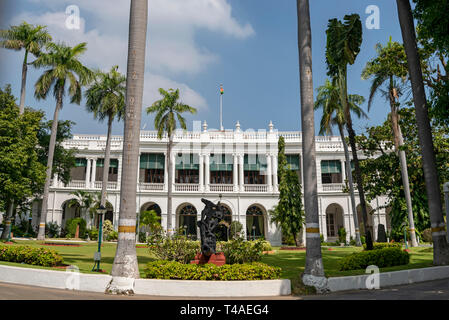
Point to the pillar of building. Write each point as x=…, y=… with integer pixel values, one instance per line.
x=207, y=172
x=241, y=178
x=87, y=181
x=274, y=164
x=94, y=172
x=201, y=173
x=269, y=173
x=235, y=177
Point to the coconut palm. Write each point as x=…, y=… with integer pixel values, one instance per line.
x=169, y=112
x=84, y=202
x=389, y=69
x=333, y=114
x=29, y=37
x=343, y=45
x=440, y=245
x=314, y=263
x=64, y=71
x=125, y=260
x=105, y=98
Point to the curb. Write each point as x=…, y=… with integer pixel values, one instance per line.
x=72, y=280
x=388, y=279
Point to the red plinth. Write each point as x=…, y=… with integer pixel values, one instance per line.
x=217, y=258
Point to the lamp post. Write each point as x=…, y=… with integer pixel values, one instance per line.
x=97, y=256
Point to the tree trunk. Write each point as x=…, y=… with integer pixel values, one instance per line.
x=125, y=268
x=358, y=174
x=351, y=186
x=314, y=271
x=170, y=165
x=8, y=218
x=107, y=155
x=51, y=151
x=398, y=142
x=24, y=80
x=440, y=245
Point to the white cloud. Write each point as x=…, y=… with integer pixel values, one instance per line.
x=171, y=45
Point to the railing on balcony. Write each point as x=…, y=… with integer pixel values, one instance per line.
x=333, y=187
x=186, y=187
x=76, y=184
x=112, y=185
x=221, y=188
x=151, y=186
x=255, y=188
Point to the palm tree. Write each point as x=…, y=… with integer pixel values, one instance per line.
x=83, y=202
x=125, y=260
x=328, y=99
x=390, y=68
x=106, y=99
x=343, y=45
x=167, y=110
x=314, y=263
x=440, y=245
x=64, y=68
x=29, y=37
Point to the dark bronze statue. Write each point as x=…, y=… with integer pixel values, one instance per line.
x=211, y=216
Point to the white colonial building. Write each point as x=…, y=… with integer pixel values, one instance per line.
x=241, y=166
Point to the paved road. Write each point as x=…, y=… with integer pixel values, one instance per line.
x=431, y=290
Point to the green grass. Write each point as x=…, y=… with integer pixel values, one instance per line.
x=291, y=262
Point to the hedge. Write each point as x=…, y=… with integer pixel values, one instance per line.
x=381, y=245
x=29, y=255
x=163, y=269
x=386, y=257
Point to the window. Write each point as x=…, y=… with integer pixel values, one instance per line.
x=255, y=167
x=187, y=168
x=187, y=221
x=331, y=171
x=221, y=168
x=113, y=170
x=152, y=167
x=79, y=171
x=293, y=163
x=254, y=223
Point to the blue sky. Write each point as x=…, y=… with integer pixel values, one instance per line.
x=250, y=46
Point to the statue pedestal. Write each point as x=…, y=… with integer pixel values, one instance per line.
x=217, y=258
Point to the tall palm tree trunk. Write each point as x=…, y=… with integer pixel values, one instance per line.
x=170, y=165
x=125, y=261
x=24, y=81
x=51, y=151
x=314, y=271
x=398, y=142
x=351, y=186
x=9, y=214
x=440, y=245
x=107, y=156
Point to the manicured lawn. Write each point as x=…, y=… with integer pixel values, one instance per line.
x=291, y=262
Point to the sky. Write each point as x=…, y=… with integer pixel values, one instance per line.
x=249, y=46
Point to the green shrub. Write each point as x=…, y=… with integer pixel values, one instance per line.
x=381, y=245
x=52, y=229
x=427, y=235
x=93, y=233
x=173, y=248
x=342, y=235
x=386, y=257
x=175, y=270
x=108, y=228
x=241, y=251
x=236, y=230
x=71, y=227
x=113, y=235
x=29, y=255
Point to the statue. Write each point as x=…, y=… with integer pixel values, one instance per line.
x=211, y=216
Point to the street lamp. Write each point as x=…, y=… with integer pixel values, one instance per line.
x=97, y=256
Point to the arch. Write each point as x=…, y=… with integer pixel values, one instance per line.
x=370, y=222
x=334, y=219
x=151, y=206
x=69, y=212
x=187, y=217
x=223, y=227
x=256, y=222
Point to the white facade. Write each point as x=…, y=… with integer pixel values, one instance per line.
x=238, y=196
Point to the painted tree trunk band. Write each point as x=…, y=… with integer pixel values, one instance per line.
x=41, y=225
x=312, y=230
x=438, y=230
x=127, y=229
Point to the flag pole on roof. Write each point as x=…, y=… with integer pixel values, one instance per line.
x=221, y=107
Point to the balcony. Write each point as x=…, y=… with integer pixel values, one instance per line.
x=221, y=188
x=333, y=187
x=110, y=186
x=187, y=187
x=79, y=184
x=151, y=186
x=255, y=188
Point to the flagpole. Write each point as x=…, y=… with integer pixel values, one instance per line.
x=221, y=107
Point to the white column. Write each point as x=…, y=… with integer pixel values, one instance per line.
x=87, y=182
x=201, y=173
x=207, y=172
x=94, y=171
x=173, y=168
x=269, y=173
x=274, y=163
x=138, y=170
x=165, y=172
x=343, y=171
x=241, y=178
x=55, y=181
x=235, y=177
x=119, y=174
